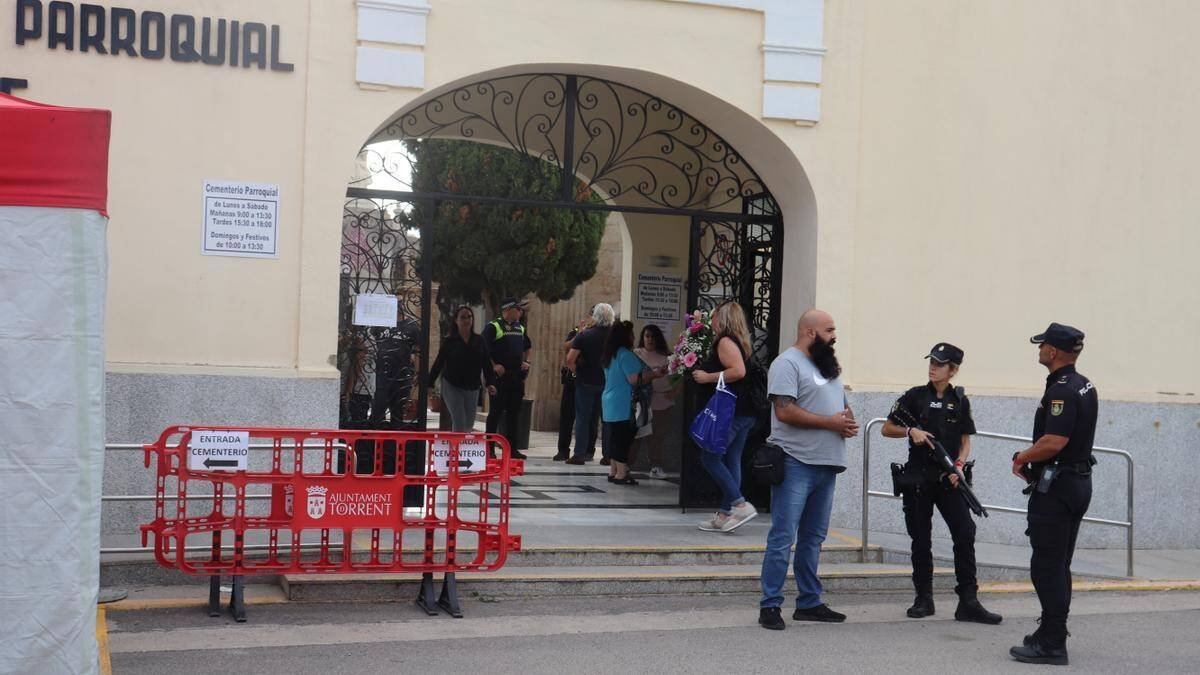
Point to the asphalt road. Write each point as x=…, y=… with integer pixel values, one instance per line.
x=1111, y=632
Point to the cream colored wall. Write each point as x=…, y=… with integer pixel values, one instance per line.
x=173, y=126
x=1043, y=143
x=1024, y=162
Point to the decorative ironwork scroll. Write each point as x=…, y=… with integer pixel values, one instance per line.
x=737, y=261
x=630, y=147
x=636, y=144
x=523, y=112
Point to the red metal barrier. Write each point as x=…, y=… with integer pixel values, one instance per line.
x=325, y=481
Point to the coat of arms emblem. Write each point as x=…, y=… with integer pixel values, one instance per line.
x=316, y=501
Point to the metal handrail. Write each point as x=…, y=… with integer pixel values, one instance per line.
x=1127, y=523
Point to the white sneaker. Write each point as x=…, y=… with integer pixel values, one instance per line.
x=718, y=523
x=657, y=472
x=741, y=514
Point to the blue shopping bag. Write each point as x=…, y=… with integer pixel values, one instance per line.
x=710, y=429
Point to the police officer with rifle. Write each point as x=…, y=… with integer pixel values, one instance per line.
x=936, y=419
x=1058, y=471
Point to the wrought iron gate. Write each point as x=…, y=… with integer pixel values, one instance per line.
x=738, y=260
x=636, y=151
x=382, y=386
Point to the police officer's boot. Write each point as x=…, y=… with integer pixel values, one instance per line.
x=1043, y=647
x=923, y=605
x=969, y=608
x=1034, y=636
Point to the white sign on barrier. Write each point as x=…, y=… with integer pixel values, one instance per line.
x=218, y=450
x=472, y=456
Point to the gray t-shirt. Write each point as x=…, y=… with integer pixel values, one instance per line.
x=793, y=374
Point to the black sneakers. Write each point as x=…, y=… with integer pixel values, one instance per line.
x=770, y=618
x=819, y=613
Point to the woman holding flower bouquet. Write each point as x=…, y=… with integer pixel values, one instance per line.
x=621, y=371
x=731, y=346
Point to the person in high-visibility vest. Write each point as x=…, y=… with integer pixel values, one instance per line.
x=508, y=348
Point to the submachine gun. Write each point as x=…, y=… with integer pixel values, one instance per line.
x=944, y=462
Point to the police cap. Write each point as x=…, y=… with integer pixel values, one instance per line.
x=509, y=303
x=1061, y=336
x=944, y=352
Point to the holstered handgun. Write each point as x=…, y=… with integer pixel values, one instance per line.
x=904, y=482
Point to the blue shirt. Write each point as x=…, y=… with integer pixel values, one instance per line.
x=617, y=401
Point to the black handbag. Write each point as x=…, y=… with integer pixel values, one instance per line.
x=768, y=464
x=642, y=395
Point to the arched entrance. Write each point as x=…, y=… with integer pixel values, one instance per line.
x=589, y=145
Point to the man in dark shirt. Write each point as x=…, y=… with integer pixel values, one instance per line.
x=395, y=370
x=1059, y=468
x=585, y=360
x=508, y=351
x=566, y=403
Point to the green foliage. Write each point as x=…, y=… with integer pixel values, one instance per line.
x=485, y=252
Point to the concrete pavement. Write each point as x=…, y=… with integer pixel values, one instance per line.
x=1112, y=632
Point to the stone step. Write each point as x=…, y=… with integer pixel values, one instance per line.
x=144, y=570
x=600, y=580
x=600, y=556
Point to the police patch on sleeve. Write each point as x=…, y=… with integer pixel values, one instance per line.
x=1056, y=408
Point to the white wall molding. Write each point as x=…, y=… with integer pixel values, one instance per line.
x=793, y=53
x=415, y=6
x=786, y=63
x=388, y=30
x=800, y=104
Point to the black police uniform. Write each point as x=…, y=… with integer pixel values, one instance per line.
x=1068, y=408
x=507, y=344
x=947, y=417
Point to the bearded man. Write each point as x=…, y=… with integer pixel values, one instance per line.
x=810, y=420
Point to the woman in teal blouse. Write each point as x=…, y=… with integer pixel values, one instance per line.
x=621, y=370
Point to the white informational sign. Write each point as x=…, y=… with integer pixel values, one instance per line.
x=241, y=219
x=218, y=450
x=472, y=457
x=375, y=309
x=659, y=298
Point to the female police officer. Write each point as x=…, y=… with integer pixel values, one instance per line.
x=943, y=412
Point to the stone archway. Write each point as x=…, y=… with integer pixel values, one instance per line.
x=642, y=154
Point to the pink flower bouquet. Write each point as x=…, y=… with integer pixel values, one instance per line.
x=692, y=347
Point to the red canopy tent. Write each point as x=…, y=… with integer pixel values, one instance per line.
x=53, y=156
x=53, y=230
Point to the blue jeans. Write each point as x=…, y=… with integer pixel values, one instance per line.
x=726, y=470
x=800, y=505
x=587, y=414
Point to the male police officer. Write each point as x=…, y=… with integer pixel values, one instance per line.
x=508, y=348
x=1059, y=468
x=942, y=412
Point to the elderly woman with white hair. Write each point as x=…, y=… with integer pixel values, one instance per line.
x=586, y=360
